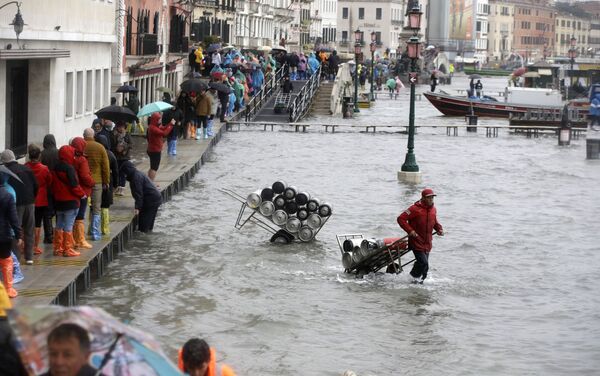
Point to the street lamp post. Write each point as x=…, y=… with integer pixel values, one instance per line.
x=18, y=22
x=357, y=51
x=373, y=48
x=410, y=170
x=572, y=56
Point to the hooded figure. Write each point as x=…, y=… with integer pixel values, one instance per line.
x=86, y=182
x=156, y=133
x=50, y=153
x=147, y=197
x=67, y=196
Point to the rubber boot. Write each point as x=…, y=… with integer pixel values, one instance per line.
x=17, y=273
x=79, y=235
x=105, y=221
x=96, y=235
x=6, y=265
x=57, y=246
x=48, y=230
x=36, y=241
x=198, y=133
x=205, y=132
x=68, y=244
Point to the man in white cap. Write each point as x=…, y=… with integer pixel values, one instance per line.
x=419, y=221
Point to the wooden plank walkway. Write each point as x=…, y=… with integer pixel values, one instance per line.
x=58, y=280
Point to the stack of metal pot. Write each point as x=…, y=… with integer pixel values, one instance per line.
x=358, y=250
x=293, y=210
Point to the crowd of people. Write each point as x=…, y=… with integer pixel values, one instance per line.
x=52, y=191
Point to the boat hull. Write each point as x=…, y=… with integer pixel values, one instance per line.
x=461, y=106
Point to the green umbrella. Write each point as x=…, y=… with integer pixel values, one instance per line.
x=150, y=108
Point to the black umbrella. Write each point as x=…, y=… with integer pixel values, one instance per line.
x=475, y=77
x=193, y=84
x=223, y=88
x=116, y=113
x=127, y=89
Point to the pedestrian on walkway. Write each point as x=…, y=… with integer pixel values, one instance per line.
x=156, y=135
x=49, y=158
x=419, y=221
x=184, y=103
x=100, y=169
x=479, y=88
x=399, y=85
x=196, y=358
x=433, y=81
x=26, y=189
x=44, y=179
x=145, y=194
x=176, y=114
x=10, y=232
x=214, y=107
x=121, y=148
x=107, y=194
x=203, y=111
x=67, y=196
x=86, y=182
x=391, y=85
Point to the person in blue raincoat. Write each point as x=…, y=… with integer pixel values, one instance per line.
x=595, y=112
x=258, y=78
x=313, y=63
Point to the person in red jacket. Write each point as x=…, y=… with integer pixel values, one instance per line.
x=419, y=221
x=44, y=180
x=67, y=195
x=156, y=135
x=84, y=175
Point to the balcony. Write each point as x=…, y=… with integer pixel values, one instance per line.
x=284, y=14
x=147, y=44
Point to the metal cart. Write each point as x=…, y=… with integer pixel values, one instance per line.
x=388, y=256
x=254, y=216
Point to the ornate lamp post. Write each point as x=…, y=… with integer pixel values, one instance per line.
x=18, y=22
x=410, y=169
x=357, y=52
x=373, y=48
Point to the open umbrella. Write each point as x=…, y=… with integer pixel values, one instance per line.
x=213, y=47
x=116, y=113
x=116, y=348
x=127, y=89
x=278, y=49
x=227, y=48
x=519, y=71
x=264, y=48
x=194, y=84
x=474, y=77
x=164, y=89
x=153, y=107
x=223, y=88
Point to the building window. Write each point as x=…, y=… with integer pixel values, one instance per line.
x=97, y=89
x=361, y=13
x=89, y=96
x=69, y=95
x=79, y=99
x=344, y=36
x=377, y=13
x=478, y=26
x=345, y=13
x=106, y=85
x=378, y=37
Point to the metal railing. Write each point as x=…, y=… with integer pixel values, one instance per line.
x=301, y=103
x=263, y=95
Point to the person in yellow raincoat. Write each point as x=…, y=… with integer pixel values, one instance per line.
x=199, y=59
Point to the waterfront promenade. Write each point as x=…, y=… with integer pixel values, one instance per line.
x=58, y=280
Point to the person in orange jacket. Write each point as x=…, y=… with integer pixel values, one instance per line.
x=196, y=358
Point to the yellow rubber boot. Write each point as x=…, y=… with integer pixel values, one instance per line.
x=79, y=235
x=105, y=221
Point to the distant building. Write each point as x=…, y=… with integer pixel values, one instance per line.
x=58, y=74
x=329, y=21
x=262, y=23
x=593, y=10
x=500, y=36
x=534, y=29
x=571, y=27
x=384, y=17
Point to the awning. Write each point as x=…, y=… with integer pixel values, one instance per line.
x=545, y=72
x=17, y=54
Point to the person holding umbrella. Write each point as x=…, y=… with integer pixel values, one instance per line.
x=156, y=135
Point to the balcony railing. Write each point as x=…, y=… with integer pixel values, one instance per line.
x=147, y=44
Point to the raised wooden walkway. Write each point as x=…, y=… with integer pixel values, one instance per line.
x=58, y=280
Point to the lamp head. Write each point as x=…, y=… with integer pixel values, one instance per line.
x=357, y=35
x=414, y=16
x=18, y=22
x=414, y=47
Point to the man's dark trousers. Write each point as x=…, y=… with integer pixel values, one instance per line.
x=421, y=265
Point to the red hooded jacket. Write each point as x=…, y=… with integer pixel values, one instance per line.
x=65, y=186
x=156, y=133
x=44, y=180
x=82, y=167
x=422, y=219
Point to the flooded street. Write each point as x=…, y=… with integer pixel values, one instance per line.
x=513, y=286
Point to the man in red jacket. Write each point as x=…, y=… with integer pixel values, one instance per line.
x=156, y=135
x=419, y=221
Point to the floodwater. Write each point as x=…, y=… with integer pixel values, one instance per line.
x=513, y=286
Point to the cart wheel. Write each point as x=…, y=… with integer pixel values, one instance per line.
x=393, y=269
x=282, y=237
